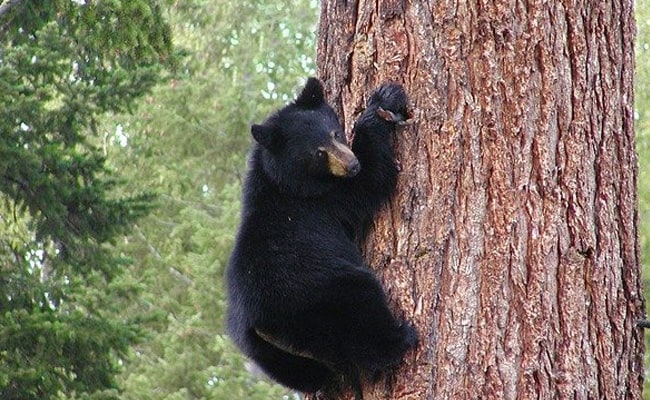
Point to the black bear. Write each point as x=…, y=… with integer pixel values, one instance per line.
x=301, y=303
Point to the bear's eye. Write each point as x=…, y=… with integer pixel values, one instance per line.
x=337, y=135
x=321, y=154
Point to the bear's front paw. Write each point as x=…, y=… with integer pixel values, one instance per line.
x=391, y=102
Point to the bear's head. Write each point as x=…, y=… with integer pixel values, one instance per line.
x=302, y=147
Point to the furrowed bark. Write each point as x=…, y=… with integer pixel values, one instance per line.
x=512, y=241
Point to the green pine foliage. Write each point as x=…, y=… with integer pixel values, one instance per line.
x=63, y=65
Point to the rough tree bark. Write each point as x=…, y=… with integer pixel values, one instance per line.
x=512, y=242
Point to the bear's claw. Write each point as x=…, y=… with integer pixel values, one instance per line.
x=391, y=102
x=389, y=115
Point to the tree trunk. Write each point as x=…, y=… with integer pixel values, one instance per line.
x=512, y=242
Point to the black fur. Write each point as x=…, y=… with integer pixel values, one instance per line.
x=302, y=304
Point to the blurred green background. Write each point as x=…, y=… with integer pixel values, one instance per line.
x=642, y=128
x=121, y=160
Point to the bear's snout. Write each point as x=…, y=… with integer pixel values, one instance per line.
x=341, y=160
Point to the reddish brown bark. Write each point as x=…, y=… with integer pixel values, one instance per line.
x=512, y=242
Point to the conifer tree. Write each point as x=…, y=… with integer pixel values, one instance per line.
x=63, y=65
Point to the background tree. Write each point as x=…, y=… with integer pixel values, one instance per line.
x=63, y=65
x=512, y=241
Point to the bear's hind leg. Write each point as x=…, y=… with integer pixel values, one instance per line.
x=294, y=371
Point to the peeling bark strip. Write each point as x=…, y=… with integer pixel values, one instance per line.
x=512, y=241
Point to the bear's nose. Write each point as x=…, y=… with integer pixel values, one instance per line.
x=354, y=168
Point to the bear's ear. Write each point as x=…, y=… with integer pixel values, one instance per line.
x=266, y=136
x=312, y=96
